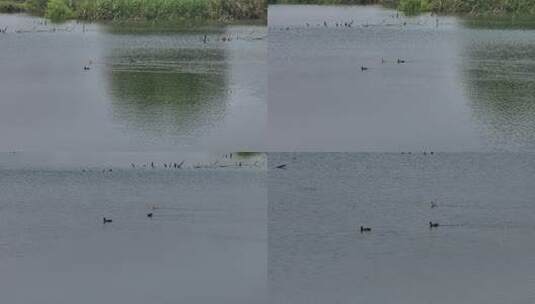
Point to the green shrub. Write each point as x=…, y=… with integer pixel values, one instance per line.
x=412, y=7
x=58, y=10
x=11, y=6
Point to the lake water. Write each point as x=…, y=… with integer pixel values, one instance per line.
x=482, y=253
x=149, y=87
x=206, y=242
x=466, y=85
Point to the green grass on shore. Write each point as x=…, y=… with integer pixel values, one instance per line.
x=220, y=10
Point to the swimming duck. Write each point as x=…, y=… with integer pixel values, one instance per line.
x=363, y=68
x=433, y=225
x=365, y=229
x=87, y=68
x=149, y=215
x=106, y=220
x=401, y=61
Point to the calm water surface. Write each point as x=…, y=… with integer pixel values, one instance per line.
x=206, y=242
x=467, y=85
x=316, y=253
x=150, y=87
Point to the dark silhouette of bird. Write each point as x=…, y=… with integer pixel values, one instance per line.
x=401, y=61
x=433, y=204
x=363, y=68
x=87, y=68
x=149, y=215
x=433, y=225
x=106, y=220
x=283, y=166
x=365, y=229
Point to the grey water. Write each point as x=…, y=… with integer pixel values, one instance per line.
x=466, y=83
x=149, y=87
x=205, y=243
x=482, y=252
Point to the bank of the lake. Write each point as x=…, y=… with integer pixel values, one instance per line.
x=221, y=10
x=474, y=7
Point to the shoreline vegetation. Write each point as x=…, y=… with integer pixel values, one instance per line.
x=413, y=7
x=142, y=10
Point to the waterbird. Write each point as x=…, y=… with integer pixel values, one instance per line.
x=363, y=68
x=149, y=215
x=325, y=23
x=365, y=229
x=401, y=61
x=433, y=204
x=204, y=39
x=283, y=166
x=433, y=225
x=106, y=220
x=87, y=68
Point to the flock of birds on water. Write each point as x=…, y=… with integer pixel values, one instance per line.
x=350, y=24
x=228, y=163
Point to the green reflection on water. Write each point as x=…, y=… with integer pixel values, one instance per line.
x=500, y=22
x=168, y=90
x=499, y=74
